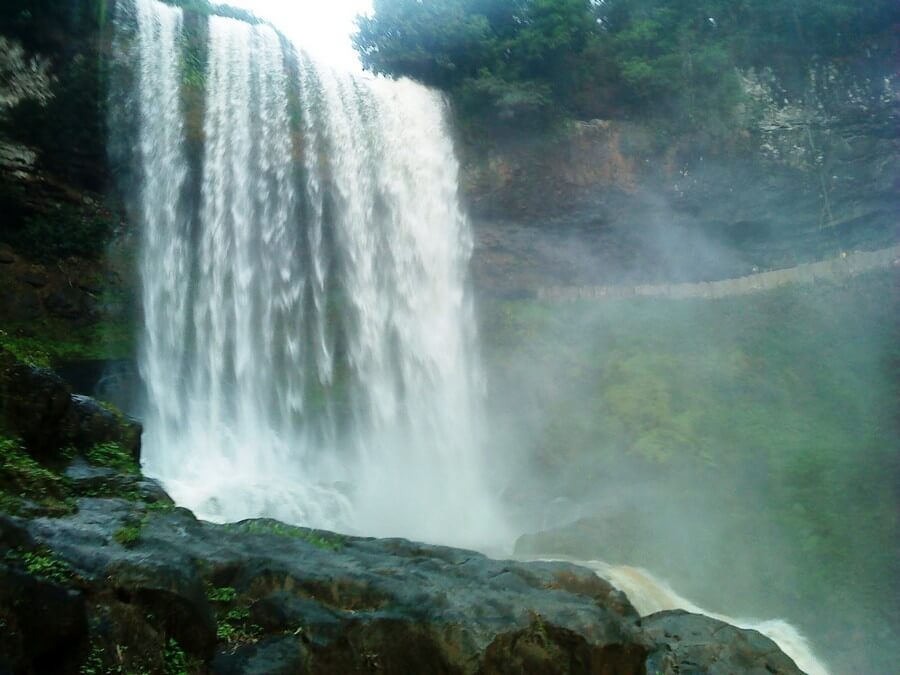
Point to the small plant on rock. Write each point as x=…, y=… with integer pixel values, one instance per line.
x=112, y=455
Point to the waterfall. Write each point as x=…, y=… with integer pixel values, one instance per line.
x=163, y=169
x=308, y=346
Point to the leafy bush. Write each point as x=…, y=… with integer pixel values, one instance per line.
x=112, y=455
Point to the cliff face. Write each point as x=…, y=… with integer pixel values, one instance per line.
x=805, y=171
x=803, y=174
x=57, y=214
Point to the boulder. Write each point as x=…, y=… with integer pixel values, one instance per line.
x=44, y=624
x=263, y=597
x=695, y=644
x=39, y=407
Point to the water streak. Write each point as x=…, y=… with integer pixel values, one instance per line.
x=310, y=351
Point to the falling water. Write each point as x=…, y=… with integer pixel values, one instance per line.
x=309, y=351
x=163, y=169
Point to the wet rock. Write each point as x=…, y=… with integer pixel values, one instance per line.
x=33, y=404
x=45, y=624
x=88, y=423
x=87, y=479
x=692, y=643
x=292, y=600
x=274, y=656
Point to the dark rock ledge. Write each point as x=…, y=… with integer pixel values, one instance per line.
x=125, y=582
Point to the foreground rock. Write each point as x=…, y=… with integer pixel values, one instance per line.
x=144, y=586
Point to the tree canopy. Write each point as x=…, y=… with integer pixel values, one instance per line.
x=533, y=59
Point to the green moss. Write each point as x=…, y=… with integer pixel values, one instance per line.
x=25, y=350
x=24, y=479
x=49, y=341
x=129, y=535
x=323, y=540
x=112, y=455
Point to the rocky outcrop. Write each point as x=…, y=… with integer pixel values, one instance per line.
x=698, y=644
x=262, y=597
x=70, y=289
x=37, y=406
x=800, y=176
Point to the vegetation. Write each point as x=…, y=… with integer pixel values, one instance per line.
x=24, y=480
x=768, y=419
x=25, y=351
x=221, y=594
x=42, y=563
x=323, y=540
x=46, y=342
x=207, y=8
x=530, y=61
x=112, y=455
x=176, y=662
x=129, y=535
x=234, y=626
x=29, y=486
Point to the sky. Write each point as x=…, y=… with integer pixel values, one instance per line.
x=322, y=27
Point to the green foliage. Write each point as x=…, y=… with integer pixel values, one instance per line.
x=206, y=8
x=42, y=563
x=94, y=665
x=503, y=58
x=235, y=629
x=46, y=342
x=23, y=478
x=129, y=535
x=176, y=662
x=112, y=455
x=510, y=59
x=221, y=594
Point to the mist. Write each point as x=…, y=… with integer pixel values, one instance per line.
x=743, y=449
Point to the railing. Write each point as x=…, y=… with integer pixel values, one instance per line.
x=846, y=266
